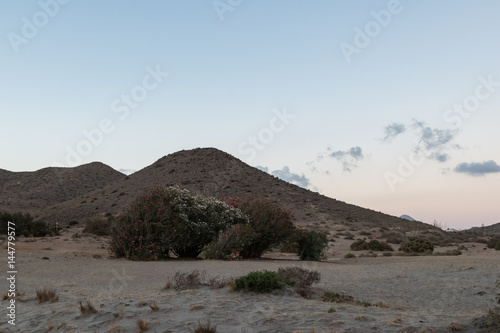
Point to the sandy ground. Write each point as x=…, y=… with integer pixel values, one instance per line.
x=412, y=294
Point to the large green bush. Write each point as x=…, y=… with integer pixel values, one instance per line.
x=25, y=225
x=230, y=243
x=417, y=245
x=271, y=223
x=493, y=243
x=167, y=219
x=312, y=245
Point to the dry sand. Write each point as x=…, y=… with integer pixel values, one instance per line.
x=413, y=294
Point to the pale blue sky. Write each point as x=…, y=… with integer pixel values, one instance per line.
x=67, y=66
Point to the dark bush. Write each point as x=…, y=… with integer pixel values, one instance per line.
x=373, y=245
x=271, y=223
x=416, y=245
x=493, y=243
x=99, y=227
x=261, y=282
x=312, y=245
x=25, y=225
x=230, y=243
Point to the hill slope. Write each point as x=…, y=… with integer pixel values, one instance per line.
x=212, y=172
x=32, y=191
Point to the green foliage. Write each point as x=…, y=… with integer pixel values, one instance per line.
x=493, y=243
x=349, y=255
x=417, y=245
x=312, y=245
x=271, y=223
x=25, y=225
x=373, y=245
x=230, y=243
x=167, y=219
x=261, y=282
x=99, y=227
x=332, y=297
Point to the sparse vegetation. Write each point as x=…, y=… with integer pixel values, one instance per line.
x=337, y=298
x=302, y=279
x=142, y=325
x=493, y=243
x=26, y=225
x=416, y=245
x=349, y=255
x=373, y=245
x=205, y=327
x=47, y=295
x=87, y=308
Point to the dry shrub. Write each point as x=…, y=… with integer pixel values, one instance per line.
x=87, y=308
x=116, y=328
x=142, y=325
x=183, y=281
x=47, y=295
x=97, y=226
x=302, y=278
x=154, y=307
x=205, y=328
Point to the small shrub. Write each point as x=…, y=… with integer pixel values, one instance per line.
x=448, y=253
x=99, y=227
x=349, y=255
x=312, y=245
x=205, y=328
x=47, y=295
x=373, y=245
x=331, y=310
x=142, y=325
x=336, y=297
x=302, y=279
x=416, y=245
x=154, y=307
x=87, y=308
x=183, y=281
x=261, y=282
x=387, y=254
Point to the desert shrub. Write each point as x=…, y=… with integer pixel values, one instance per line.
x=448, y=253
x=25, y=225
x=373, y=245
x=271, y=223
x=204, y=328
x=312, y=245
x=302, y=279
x=261, y=282
x=349, y=255
x=333, y=297
x=230, y=243
x=87, y=308
x=416, y=245
x=183, y=281
x=97, y=226
x=493, y=243
x=167, y=219
x=47, y=295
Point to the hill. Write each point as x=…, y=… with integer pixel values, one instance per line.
x=32, y=191
x=212, y=172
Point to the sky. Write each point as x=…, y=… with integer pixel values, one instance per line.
x=389, y=105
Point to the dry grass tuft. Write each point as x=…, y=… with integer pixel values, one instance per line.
x=47, y=295
x=154, y=307
x=87, y=308
x=116, y=328
x=142, y=325
x=205, y=328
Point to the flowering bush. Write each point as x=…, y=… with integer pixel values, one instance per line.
x=271, y=224
x=167, y=219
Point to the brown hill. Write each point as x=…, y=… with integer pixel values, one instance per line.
x=212, y=172
x=32, y=191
